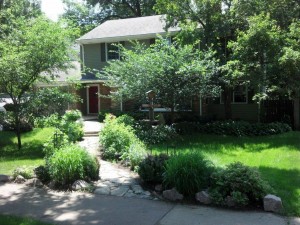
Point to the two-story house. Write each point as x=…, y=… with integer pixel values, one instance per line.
x=97, y=48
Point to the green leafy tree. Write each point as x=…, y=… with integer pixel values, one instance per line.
x=216, y=23
x=28, y=53
x=14, y=11
x=81, y=15
x=124, y=8
x=175, y=73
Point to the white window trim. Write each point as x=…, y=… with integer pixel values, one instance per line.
x=106, y=50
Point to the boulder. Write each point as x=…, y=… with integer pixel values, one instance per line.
x=158, y=188
x=272, y=203
x=80, y=184
x=203, y=197
x=172, y=195
x=34, y=182
x=230, y=202
x=20, y=179
x=4, y=178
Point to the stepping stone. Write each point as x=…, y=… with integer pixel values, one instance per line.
x=102, y=191
x=120, y=191
x=137, y=189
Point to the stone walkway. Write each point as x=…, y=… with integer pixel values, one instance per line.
x=114, y=179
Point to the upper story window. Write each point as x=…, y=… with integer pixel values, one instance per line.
x=112, y=51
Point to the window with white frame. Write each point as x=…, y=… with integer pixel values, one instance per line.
x=112, y=51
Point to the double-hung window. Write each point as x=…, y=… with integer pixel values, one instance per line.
x=112, y=51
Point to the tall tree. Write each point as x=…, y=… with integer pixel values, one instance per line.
x=218, y=22
x=124, y=8
x=14, y=11
x=175, y=73
x=30, y=52
x=81, y=15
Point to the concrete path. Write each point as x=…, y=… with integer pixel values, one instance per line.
x=86, y=209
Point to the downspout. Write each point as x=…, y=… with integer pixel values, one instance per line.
x=82, y=55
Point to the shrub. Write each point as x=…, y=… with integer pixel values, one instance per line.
x=154, y=134
x=42, y=173
x=116, y=138
x=50, y=121
x=242, y=183
x=233, y=128
x=72, y=115
x=137, y=152
x=188, y=173
x=72, y=163
x=151, y=169
x=24, y=171
x=74, y=130
x=55, y=142
x=126, y=119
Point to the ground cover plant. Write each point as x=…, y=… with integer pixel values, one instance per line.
x=14, y=220
x=277, y=158
x=31, y=153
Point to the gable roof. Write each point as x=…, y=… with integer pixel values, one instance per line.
x=127, y=29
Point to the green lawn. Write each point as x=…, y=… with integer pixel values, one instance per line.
x=31, y=153
x=14, y=220
x=277, y=158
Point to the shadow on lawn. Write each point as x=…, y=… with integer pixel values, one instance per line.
x=217, y=143
x=286, y=184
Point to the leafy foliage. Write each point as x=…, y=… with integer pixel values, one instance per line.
x=151, y=169
x=42, y=173
x=242, y=183
x=28, y=54
x=24, y=171
x=136, y=153
x=186, y=71
x=72, y=163
x=188, y=173
x=233, y=128
x=116, y=138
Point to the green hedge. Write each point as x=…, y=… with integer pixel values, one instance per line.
x=233, y=128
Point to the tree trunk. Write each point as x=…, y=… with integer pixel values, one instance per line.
x=18, y=131
x=297, y=113
x=227, y=102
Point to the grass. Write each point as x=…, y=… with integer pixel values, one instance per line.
x=276, y=157
x=31, y=153
x=14, y=220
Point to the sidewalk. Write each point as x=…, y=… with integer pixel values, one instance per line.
x=87, y=209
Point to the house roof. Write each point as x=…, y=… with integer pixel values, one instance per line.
x=127, y=29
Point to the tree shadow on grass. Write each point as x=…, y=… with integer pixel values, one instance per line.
x=224, y=144
x=286, y=184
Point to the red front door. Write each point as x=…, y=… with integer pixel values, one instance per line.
x=93, y=99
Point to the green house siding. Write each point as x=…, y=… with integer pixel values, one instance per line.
x=247, y=112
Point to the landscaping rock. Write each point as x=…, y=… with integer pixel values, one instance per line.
x=4, y=178
x=203, y=197
x=52, y=185
x=102, y=191
x=158, y=188
x=34, y=182
x=137, y=189
x=272, y=203
x=80, y=184
x=120, y=191
x=172, y=195
x=20, y=179
x=230, y=202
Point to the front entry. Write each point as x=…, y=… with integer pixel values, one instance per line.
x=93, y=99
